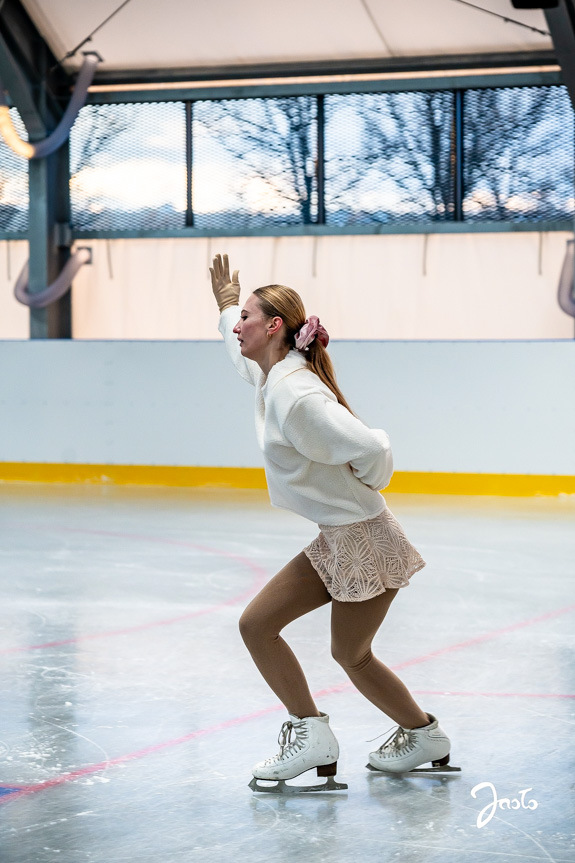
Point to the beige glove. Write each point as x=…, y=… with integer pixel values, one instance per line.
x=226, y=290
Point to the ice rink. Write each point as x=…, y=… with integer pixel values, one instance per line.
x=132, y=713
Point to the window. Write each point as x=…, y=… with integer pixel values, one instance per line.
x=361, y=159
x=389, y=157
x=518, y=154
x=255, y=162
x=128, y=167
x=13, y=183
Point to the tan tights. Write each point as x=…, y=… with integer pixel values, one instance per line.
x=293, y=592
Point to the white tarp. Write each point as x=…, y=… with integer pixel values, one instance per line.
x=439, y=286
x=179, y=33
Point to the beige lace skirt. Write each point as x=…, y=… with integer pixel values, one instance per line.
x=359, y=561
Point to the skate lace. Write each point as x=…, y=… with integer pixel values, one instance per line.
x=400, y=741
x=288, y=745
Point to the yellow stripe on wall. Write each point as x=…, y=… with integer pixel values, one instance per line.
x=508, y=484
x=134, y=474
x=516, y=485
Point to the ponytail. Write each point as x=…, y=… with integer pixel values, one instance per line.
x=281, y=301
x=319, y=361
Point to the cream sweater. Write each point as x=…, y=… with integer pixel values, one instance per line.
x=320, y=460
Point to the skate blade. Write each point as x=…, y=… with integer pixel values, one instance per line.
x=281, y=787
x=442, y=768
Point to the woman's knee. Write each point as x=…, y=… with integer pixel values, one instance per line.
x=247, y=625
x=351, y=660
x=255, y=628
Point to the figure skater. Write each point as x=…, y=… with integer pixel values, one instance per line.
x=322, y=462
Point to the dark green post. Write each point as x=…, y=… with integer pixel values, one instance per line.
x=49, y=241
x=40, y=89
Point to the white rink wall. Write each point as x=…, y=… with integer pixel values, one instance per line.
x=420, y=287
x=462, y=407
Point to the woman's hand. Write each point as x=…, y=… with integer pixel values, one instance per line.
x=226, y=290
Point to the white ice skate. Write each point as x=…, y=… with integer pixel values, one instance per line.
x=407, y=748
x=304, y=744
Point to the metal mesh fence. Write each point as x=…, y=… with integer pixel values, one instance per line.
x=388, y=157
x=13, y=183
x=128, y=167
x=254, y=162
x=518, y=154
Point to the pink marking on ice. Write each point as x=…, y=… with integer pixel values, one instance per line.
x=134, y=756
x=487, y=636
x=260, y=579
x=240, y=720
x=221, y=726
x=492, y=694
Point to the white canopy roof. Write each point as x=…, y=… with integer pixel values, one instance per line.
x=148, y=34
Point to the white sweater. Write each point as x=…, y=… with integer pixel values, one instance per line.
x=320, y=460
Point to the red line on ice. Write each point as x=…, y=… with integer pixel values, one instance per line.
x=240, y=720
x=133, y=756
x=487, y=636
x=258, y=582
x=493, y=694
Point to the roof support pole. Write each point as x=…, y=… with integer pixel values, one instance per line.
x=561, y=23
x=320, y=159
x=49, y=241
x=39, y=89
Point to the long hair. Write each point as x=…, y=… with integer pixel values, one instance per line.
x=285, y=303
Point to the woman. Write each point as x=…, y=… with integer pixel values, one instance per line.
x=325, y=464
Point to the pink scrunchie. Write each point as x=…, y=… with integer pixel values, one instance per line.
x=311, y=329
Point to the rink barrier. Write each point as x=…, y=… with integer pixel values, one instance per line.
x=410, y=482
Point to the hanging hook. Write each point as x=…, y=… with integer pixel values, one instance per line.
x=40, y=149
x=566, y=293
x=83, y=255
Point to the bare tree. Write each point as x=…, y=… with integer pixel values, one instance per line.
x=273, y=140
x=518, y=153
x=399, y=164
x=388, y=157
x=96, y=132
x=517, y=162
x=402, y=150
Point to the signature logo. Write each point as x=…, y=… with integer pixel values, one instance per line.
x=488, y=811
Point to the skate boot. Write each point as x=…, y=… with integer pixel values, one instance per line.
x=304, y=744
x=407, y=748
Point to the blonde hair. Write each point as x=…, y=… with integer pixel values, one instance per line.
x=279, y=301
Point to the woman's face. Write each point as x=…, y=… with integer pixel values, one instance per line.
x=252, y=329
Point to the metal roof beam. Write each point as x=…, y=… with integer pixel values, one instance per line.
x=29, y=71
x=561, y=23
x=328, y=67
x=13, y=80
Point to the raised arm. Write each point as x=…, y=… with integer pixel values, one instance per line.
x=227, y=293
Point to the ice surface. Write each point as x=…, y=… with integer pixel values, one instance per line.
x=132, y=713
